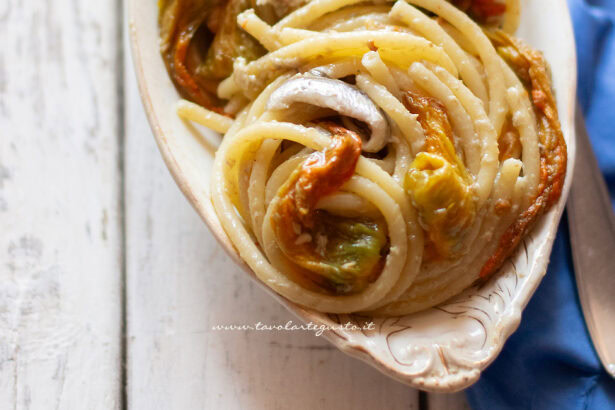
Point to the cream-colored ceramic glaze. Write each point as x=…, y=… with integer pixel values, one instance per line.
x=441, y=349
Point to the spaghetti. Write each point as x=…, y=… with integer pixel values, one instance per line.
x=377, y=157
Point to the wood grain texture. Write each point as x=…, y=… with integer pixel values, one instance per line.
x=450, y=401
x=60, y=230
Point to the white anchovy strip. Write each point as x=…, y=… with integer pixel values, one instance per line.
x=339, y=96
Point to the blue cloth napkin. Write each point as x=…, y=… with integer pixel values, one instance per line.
x=550, y=363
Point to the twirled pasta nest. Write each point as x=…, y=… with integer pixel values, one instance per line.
x=376, y=156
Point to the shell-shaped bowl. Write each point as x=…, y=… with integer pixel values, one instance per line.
x=441, y=349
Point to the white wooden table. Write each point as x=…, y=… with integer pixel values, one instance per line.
x=109, y=282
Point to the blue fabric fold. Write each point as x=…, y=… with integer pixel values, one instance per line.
x=550, y=363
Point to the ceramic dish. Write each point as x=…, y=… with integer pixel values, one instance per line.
x=443, y=348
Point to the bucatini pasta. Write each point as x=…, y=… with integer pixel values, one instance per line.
x=377, y=156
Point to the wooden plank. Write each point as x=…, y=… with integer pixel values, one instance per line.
x=60, y=231
x=180, y=283
x=454, y=401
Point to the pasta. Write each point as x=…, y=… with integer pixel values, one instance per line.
x=377, y=156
